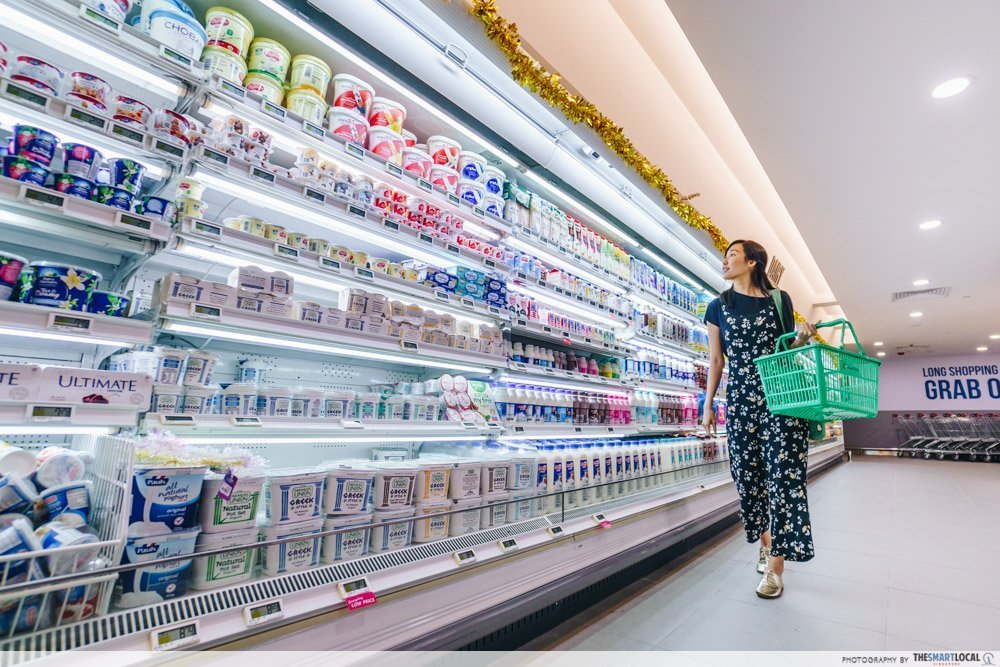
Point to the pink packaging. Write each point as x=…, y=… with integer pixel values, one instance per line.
x=348, y=124
x=387, y=144
x=444, y=177
x=91, y=86
x=417, y=161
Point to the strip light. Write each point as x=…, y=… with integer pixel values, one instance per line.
x=292, y=440
x=571, y=267
x=562, y=436
x=270, y=341
x=591, y=315
x=391, y=81
x=637, y=297
x=52, y=37
x=577, y=204
x=70, y=338
x=56, y=430
x=556, y=384
x=670, y=267
x=661, y=349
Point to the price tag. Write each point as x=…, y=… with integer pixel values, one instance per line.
x=170, y=638
x=133, y=221
x=588, y=340
x=357, y=210
x=72, y=323
x=313, y=195
x=85, y=118
x=215, y=156
x=364, y=274
x=168, y=148
x=442, y=296
x=227, y=486
x=452, y=199
x=42, y=197
x=522, y=276
x=175, y=420
x=507, y=545
x=453, y=249
x=562, y=251
x=549, y=371
x=489, y=263
x=26, y=95
x=175, y=56
x=611, y=429
x=265, y=612
x=202, y=311
x=425, y=238
x=409, y=346
x=543, y=240
x=559, y=290
x=522, y=323
x=202, y=228
x=479, y=211
x=493, y=425
x=390, y=226
x=603, y=379
x=100, y=19
x=286, y=251
x=424, y=184
x=355, y=149
x=51, y=413
x=262, y=175
x=542, y=282
x=313, y=130
x=464, y=557
x=493, y=310
x=247, y=421
x=555, y=531
x=329, y=264
x=471, y=426
x=518, y=365
x=518, y=429
x=230, y=88
x=356, y=593
x=546, y=328
x=565, y=334
x=579, y=298
x=394, y=169
x=273, y=109
x=467, y=302
x=578, y=429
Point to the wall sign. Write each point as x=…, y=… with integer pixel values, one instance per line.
x=967, y=382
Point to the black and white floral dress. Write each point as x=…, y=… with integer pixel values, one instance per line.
x=767, y=452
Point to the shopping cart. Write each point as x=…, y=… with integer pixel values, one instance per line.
x=820, y=382
x=989, y=426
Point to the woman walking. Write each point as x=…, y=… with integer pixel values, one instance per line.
x=767, y=452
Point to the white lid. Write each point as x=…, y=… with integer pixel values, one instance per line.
x=386, y=101
x=352, y=114
x=24, y=488
x=283, y=530
x=201, y=354
x=174, y=389
x=201, y=391
x=397, y=468
x=346, y=521
x=340, y=395
x=350, y=472
x=494, y=170
x=387, y=130
x=230, y=538
x=277, y=392
x=444, y=168
x=434, y=506
x=295, y=475
x=353, y=79
x=16, y=460
x=308, y=392
x=243, y=388
x=59, y=469
x=437, y=138
x=413, y=149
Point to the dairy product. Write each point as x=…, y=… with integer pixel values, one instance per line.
x=432, y=482
x=165, y=496
x=16, y=460
x=348, y=490
x=431, y=524
x=350, y=544
x=467, y=520
x=228, y=568
x=16, y=494
x=494, y=476
x=59, y=535
x=293, y=495
x=238, y=513
x=154, y=582
x=394, y=536
x=294, y=556
x=494, y=511
x=69, y=503
x=394, y=484
x=465, y=480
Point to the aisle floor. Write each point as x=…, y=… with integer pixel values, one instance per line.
x=907, y=557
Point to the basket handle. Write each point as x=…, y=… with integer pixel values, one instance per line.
x=841, y=323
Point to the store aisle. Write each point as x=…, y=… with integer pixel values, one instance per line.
x=906, y=559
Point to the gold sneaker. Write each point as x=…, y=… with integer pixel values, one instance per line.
x=765, y=553
x=770, y=585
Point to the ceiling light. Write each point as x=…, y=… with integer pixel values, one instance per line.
x=880, y=354
x=995, y=337
x=916, y=314
x=951, y=87
x=921, y=282
x=982, y=348
x=930, y=224
x=879, y=343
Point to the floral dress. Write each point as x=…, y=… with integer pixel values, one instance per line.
x=767, y=452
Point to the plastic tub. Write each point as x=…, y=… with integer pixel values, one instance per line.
x=16, y=460
x=395, y=536
x=35, y=144
x=471, y=191
x=226, y=64
x=294, y=556
x=409, y=139
x=16, y=494
x=269, y=57
x=310, y=72
x=155, y=583
x=170, y=124
x=348, y=124
x=167, y=399
x=293, y=495
x=60, y=535
x=522, y=506
x=444, y=177
x=386, y=143
x=274, y=401
x=471, y=165
x=444, y=151
x=338, y=404
x=494, y=511
x=240, y=400
x=165, y=499
x=24, y=170
x=494, y=476
x=306, y=103
x=387, y=113
x=81, y=160
x=131, y=111
x=251, y=372
x=349, y=545
x=431, y=525
x=10, y=271
x=62, y=285
x=468, y=520
x=433, y=482
x=198, y=371
x=521, y=474
x=237, y=513
x=109, y=195
x=37, y=72
x=57, y=466
x=415, y=408
x=225, y=569
x=198, y=401
x=394, y=408
x=353, y=94
x=367, y=406
x=394, y=485
x=493, y=179
x=126, y=174
x=417, y=161
x=177, y=31
x=108, y=303
x=266, y=86
x=307, y=403
x=348, y=490
x=494, y=205
x=229, y=30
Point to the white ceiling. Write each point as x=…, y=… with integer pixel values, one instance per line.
x=834, y=98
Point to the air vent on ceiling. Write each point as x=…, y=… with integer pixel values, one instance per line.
x=921, y=294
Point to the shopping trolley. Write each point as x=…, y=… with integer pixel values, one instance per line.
x=913, y=429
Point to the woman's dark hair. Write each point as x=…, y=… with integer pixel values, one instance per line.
x=754, y=252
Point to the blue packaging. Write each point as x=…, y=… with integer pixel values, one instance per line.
x=166, y=496
x=16, y=494
x=61, y=285
x=126, y=174
x=59, y=535
x=108, y=303
x=16, y=539
x=24, y=170
x=69, y=503
x=75, y=186
x=35, y=144
x=155, y=582
x=440, y=279
x=155, y=207
x=111, y=196
x=81, y=160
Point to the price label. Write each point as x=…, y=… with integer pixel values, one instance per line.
x=471, y=426
x=468, y=303
x=611, y=429
x=215, y=156
x=262, y=175
x=588, y=340
x=394, y=169
x=356, y=593
x=202, y=228
x=489, y=263
x=452, y=199
x=493, y=425
x=286, y=252
x=546, y=328
x=442, y=296
x=522, y=323
x=313, y=130
x=202, y=311
x=543, y=240
x=69, y=323
x=390, y=226
x=42, y=197
x=522, y=276
x=464, y=557
x=555, y=531
x=128, y=134
x=230, y=88
x=542, y=282
x=174, y=637
x=168, y=148
x=177, y=420
x=518, y=429
x=518, y=365
x=355, y=149
x=273, y=109
x=409, y=346
x=314, y=195
x=559, y=290
x=26, y=95
x=85, y=118
x=424, y=184
x=265, y=612
x=329, y=264
x=453, y=249
x=425, y=238
x=364, y=274
x=579, y=298
x=227, y=486
x=51, y=413
x=175, y=56
x=247, y=421
x=507, y=545
x=133, y=221
x=578, y=429
x=493, y=310
x=479, y=211
x=549, y=371
x=562, y=251
x=357, y=210
x=100, y=19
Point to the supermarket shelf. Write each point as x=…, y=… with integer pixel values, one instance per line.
x=526, y=374
x=285, y=196
x=648, y=384
x=295, y=132
x=555, y=255
x=645, y=297
x=543, y=332
x=315, y=275
x=52, y=326
x=641, y=339
x=35, y=416
x=257, y=330
x=563, y=300
x=566, y=431
x=666, y=429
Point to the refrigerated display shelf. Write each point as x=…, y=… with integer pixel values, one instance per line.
x=655, y=384
x=643, y=296
x=566, y=431
x=549, y=334
x=667, y=429
x=557, y=256
x=557, y=295
x=662, y=345
x=42, y=417
x=555, y=377
x=55, y=327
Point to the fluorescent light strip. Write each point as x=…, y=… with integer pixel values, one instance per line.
x=561, y=436
x=638, y=298
x=52, y=37
x=56, y=430
x=670, y=267
x=653, y=347
x=590, y=315
x=389, y=80
x=481, y=230
x=556, y=384
x=292, y=440
x=271, y=341
x=565, y=262
x=71, y=338
x=588, y=213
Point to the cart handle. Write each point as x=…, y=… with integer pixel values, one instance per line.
x=841, y=323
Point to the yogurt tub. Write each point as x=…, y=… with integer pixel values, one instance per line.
x=126, y=174
x=295, y=556
x=60, y=535
x=75, y=186
x=387, y=113
x=521, y=474
x=90, y=86
x=16, y=460
x=240, y=400
x=198, y=401
x=307, y=403
x=170, y=124
x=493, y=179
x=34, y=144
x=409, y=139
x=353, y=94
x=266, y=86
x=306, y=103
x=471, y=165
x=24, y=170
x=169, y=364
x=493, y=205
x=394, y=408
x=226, y=64
x=494, y=476
x=310, y=72
x=274, y=401
x=177, y=31
x=444, y=151
x=190, y=188
x=19, y=538
x=269, y=57
x=468, y=519
x=521, y=507
x=16, y=494
x=293, y=495
x=228, y=29
x=119, y=198
x=116, y=9
x=349, y=125
x=10, y=272
x=395, y=536
x=108, y=303
x=394, y=485
x=225, y=569
x=237, y=513
x=431, y=524
x=348, y=490
x=147, y=7
x=367, y=405
x=337, y=404
x=417, y=161
x=57, y=466
x=494, y=511
x=167, y=399
x=81, y=160
x=62, y=286
x=251, y=372
x=30, y=69
x=154, y=582
x=165, y=499
x=156, y=207
x=349, y=545
x=87, y=103
x=444, y=177
x=198, y=371
x=132, y=111
x=471, y=191
x=465, y=480
x=433, y=481
x=386, y=143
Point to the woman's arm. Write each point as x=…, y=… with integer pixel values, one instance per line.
x=806, y=331
x=716, y=361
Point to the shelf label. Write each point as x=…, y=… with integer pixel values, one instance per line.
x=128, y=134
x=578, y=429
x=247, y=421
x=394, y=169
x=441, y=296
x=51, y=413
x=492, y=424
x=546, y=328
x=588, y=340
x=559, y=290
x=603, y=379
x=176, y=57
x=522, y=276
x=230, y=88
x=80, y=116
x=579, y=298
x=467, y=302
x=70, y=323
x=453, y=199
x=507, y=545
x=273, y=109
x=519, y=365
x=453, y=249
x=522, y=323
x=611, y=429
x=203, y=228
x=168, y=148
x=26, y=95
x=100, y=19
x=518, y=429
x=329, y=264
x=390, y=226
x=174, y=420
x=313, y=129
x=314, y=195
x=555, y=531
x=202, y=311
x=364, y=274
x=469, y=426
x=262, y=175
x=562, y=251
x=357, y=210
x=489, y=263
x=479, y=211
x=424, y=184
x=286, y=252
x=265, y=612
x=355, y=149
x=215, y=156
x=409, y=346
x=360, y=600
x=168, y=639
x=542, y=282
x=425, y=238
x=42, y=197
x=133, y=221
x=356, y=588
x=549, y=371
x=543, y=240
x=464, y=557
x=493, y=310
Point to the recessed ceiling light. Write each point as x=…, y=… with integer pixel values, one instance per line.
x=982, y=348
x=921, y=282
x=951, y=87
x=880, y=354
x=930, y=224
x=995, y=337
x=878, y=343
x=916, y=314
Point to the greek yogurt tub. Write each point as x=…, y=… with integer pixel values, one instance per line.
x=240, y=400
x=58, y=465
x=432, y=524
x=167, y=399
x=296, y=555
x=348, y=488
x=394, y=484
x=165, y=499
x=154, y=582
x=199, y=368
x=432, y=481
x=466, y=478
x=394, y=536
x=348, y=545
x=293, y=495
x=16, y=460
x=467, y=520
x=495, y=510
x=237, y=513
x=228, y=568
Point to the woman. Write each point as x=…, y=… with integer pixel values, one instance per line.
x=767, y=452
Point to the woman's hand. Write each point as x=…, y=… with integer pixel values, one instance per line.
x=708, y=421
x=806, y=331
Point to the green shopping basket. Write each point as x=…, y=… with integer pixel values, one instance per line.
x=818, y=381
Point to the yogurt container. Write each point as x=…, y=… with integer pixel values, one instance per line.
x=10, y=271
x=521, y=505
x=198, y=371
x=132, y=112
x=59, y=535
x=229, y=30
x=266, y=86
x=352, y=94
x=16, y=460
x=170, y=363
x=228, y=568
x=190, y=188
x=274, y=401
x=493, y=179
x=153, y=583
x=395, y=536
x=177, y=31
x=62, y=286
x=394, y=485
x=126, y=174
x=36, y=72
x=471, y=166
x=338, y=404
x=466, y=480
x=251, y=372
x=348, y=545
x=311, y=73
x=166, y=497
x=80, y=160
x=444, y=177
x=409, y=139
x=433, y=481
x=198, y=401
x=493, y=205
x=156, y=207
x=306, y=403
x=521, y=474
x=226, y=64
x=34, y=144
x=17, y=494
x=109, y=195
x=348, y=124
x=471, y=191
x=295, y=556
x=269, y=57
x=494, y=511
x=386, y=143
x=90, y=86
x=167, y=399
x=417, y=161
x=87, y=103
x=149, y=6
x=306, y=103
x=431, y=524
x=238, y=513
x=57, y=466
x=116, y=9
x=348, y=490
x=444, y=151
x=24, y=170
x=494, y=476
x=172, y=125
x=467, y=521
x=30, y=612
x=240, y=400
x=108, y=303
x=387, y=113
x=293, y=495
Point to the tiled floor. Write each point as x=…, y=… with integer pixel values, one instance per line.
x=908, y=557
